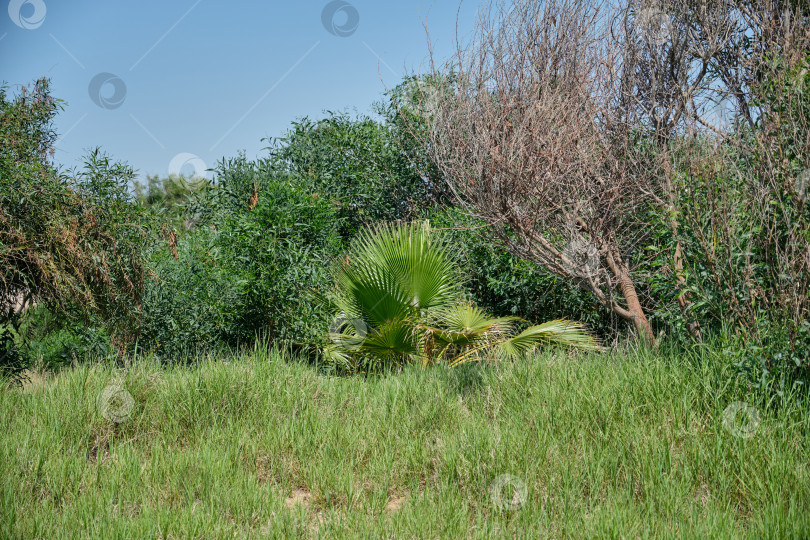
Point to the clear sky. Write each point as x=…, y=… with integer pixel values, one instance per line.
x=175, y=84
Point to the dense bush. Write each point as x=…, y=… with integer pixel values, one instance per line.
x=254, y=263
x=170, y=198
x=186, y=299
x=70, y=240
x=50, y=341
x=360, y=164
x=12, y=361
x=279, y=246
x=743, y=227
x=507, y=285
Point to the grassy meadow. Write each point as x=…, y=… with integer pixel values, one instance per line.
x=561, y=445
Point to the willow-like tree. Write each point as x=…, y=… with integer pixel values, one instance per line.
x=71, y=240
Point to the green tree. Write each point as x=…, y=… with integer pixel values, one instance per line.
x=360, y=164
x=253, y=265
x=70, y=240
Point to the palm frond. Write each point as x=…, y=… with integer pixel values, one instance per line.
x=560, y=331
x=470, y=318
x=370, y=292
x=404, y=262
x=394, y=340
x=335, y=356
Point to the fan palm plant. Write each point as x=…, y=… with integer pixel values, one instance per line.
x=400, y=300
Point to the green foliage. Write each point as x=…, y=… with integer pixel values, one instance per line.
x=248, y=254
x=279, y=251
x=186, y=299
x=732, y=235
x=743, y=224
x=72, y=240
x=407, y=112
x=774, y=355
x=254, y=264
x=49, y=341
x=400, y=300
x=360, y=165
x=170, y=198
x=12, y=361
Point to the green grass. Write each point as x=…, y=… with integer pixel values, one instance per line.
x=631, y=445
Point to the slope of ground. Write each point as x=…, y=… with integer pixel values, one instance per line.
x=627, y=445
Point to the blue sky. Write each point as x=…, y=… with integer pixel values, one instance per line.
x=178, y=84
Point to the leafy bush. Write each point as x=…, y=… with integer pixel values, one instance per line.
x=254, y=264
x=186, y=299
x=12, y=361
x=51, y=341
x=70, y=240
x=507, y=285
x=743, y=228
x=279, y=248
x=169, y=198
x=359, y=164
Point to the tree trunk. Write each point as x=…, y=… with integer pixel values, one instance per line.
x=637, y=316
x=692, y=326
x=633, y=312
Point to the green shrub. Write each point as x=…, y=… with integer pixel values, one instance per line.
x=360, y=165
x=507, y=285
x=280, y=252
x=186, y=299
x=12, y=361
x=744, y=243
x=70, y=240
x=171, y=198
x=51, y=341
x=255, y=264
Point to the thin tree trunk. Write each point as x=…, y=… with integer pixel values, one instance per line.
x=634, y=311
x=634, y=307
x=694, y=326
